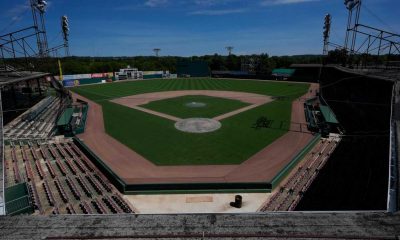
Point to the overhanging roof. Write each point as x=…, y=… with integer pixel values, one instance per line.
x=328, y=114
x=283, y=72
x=306, y=65
x=14, y=77
x=65, y=117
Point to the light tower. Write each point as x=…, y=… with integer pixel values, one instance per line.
x=157, y=51
x=230, y=49
x=65, y=32
x=354, y=7
x=327, y=31
x=38, y=8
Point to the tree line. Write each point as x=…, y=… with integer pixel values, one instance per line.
x=261, y=64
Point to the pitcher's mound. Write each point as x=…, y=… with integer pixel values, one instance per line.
x=195, y=104
x=197, y=125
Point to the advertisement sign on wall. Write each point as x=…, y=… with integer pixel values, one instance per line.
x=68, y=77
x=99, y=75
x=71, y=83
x=68, y=83
x=76, y=76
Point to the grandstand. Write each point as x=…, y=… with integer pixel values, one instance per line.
x=289, y=194
x=338, y=164
x=39, y=122
x=44, y=173
x=60, y=179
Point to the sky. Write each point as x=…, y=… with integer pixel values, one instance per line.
x=197, y=27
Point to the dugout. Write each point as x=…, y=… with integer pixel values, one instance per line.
x=73, y=119
x=282, y=73
x=320, y=117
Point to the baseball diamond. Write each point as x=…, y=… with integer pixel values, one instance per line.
x=131, y=127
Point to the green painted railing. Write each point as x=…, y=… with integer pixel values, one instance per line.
x=286, y=170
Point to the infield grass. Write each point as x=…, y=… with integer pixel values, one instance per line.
x=156, y=138
x=177, y=107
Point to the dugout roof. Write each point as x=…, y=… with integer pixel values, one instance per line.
x=285, y=72
x=328, y=114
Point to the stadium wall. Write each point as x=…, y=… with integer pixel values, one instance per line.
x=84, y=79
x=286, y=170
x=111, y=176
x=393, y=198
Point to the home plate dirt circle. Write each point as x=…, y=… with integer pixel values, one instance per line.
x=197, y=125
x=195, y=104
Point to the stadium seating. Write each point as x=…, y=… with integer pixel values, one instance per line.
x=69, y=188
x=299, y=181
x=48, y=192
x=51, y=169
x=73, y=188
x=71, y=166
x=70, y=209
x=61, y=191
x=38, y=122
x=85, y=208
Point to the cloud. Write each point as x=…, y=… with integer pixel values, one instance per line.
x=16, y=11
x=217, y=12
x=284, y=2
x=155, y=3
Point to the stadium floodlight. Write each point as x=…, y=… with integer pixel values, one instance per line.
x=327, y=30
x=41, y=5
x=230, y=49
x=157, y=51
x=350, y=4
x=65, y=27
x=327, y=26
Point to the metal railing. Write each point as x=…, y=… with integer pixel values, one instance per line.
x=393, y=181
x=2, y=199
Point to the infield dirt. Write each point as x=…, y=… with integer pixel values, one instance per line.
x=135, y=169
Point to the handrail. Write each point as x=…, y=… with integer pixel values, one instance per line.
x=2, y=199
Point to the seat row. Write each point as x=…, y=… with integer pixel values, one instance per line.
x=61, y=173
x=39, y=122
x=294, y=187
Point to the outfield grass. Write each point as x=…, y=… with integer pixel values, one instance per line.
x=157, y=139
x=177, y=106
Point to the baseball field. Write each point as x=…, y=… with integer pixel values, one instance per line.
x=142, y=115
